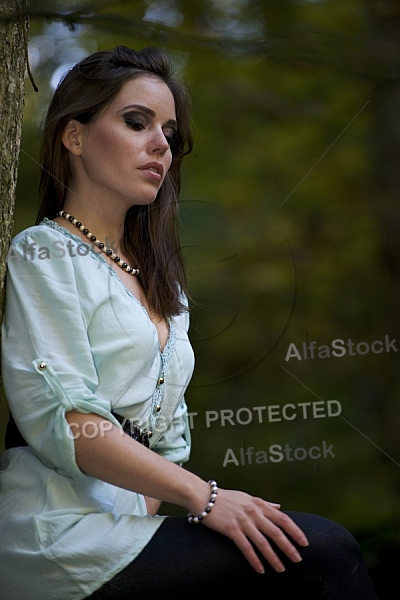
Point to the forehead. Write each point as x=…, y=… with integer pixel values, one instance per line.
x=146, y=90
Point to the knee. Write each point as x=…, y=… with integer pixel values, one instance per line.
x=331, y=541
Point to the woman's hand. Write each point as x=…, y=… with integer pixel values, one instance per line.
x=249, y=521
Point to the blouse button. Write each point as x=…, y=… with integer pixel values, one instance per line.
x=160, y=381
x=42, y=366
x=157, y=408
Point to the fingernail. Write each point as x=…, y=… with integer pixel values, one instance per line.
x=280, y=568
x=297, y=558
x=305, y=542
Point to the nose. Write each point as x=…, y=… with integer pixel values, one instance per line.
x=159, y=143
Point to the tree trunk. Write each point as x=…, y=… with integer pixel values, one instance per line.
x=13, y=36
x=13, y=42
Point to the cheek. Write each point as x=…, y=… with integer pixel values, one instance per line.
x=107, y=145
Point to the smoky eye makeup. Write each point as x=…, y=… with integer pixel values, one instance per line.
x=170, y=135
x=135, y=120
x=138, y=121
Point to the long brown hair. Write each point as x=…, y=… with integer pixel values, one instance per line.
x=150, y=237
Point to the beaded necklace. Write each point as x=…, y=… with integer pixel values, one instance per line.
x=107, y=251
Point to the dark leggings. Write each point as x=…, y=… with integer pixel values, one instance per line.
x=193, y=558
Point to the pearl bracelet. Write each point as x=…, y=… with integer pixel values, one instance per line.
x=202, y=515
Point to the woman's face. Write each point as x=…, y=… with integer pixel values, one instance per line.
x=124, y=155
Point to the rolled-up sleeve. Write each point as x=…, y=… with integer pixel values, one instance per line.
x=48, y=367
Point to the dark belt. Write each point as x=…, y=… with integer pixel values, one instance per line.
x=13, y=435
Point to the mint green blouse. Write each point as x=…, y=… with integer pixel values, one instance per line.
x=74, y=338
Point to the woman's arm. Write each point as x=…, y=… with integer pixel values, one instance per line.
x=111, y=455
x=152, y=505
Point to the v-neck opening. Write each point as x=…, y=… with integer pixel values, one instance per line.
x=97, y=256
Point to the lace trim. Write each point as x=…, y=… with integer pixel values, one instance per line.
x=158, y=395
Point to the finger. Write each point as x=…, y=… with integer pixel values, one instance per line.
x=264, y=547
x=270, y=522
x=251, y=537
x=286, y=524
x=278, y=537
x=276, y=516
x=247, y=548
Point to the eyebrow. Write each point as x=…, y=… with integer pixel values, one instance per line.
x=150, y=113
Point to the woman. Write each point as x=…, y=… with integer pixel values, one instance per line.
x=96, y=360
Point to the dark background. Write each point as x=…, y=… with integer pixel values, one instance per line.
x=290, y=213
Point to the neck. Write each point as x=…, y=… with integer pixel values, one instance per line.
x=104, y=221
x=106, y=247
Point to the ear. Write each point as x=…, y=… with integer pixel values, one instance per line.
x=72, y=137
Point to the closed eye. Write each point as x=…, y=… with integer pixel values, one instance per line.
x=134, y=124
x=170, y=134
x=170, y=137
x=135, y=120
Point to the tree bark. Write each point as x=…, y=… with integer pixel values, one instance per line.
x=13, y=41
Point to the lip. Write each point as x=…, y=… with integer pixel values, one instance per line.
x=154, y=170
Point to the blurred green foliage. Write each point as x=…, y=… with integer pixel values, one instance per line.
x=289, y=225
